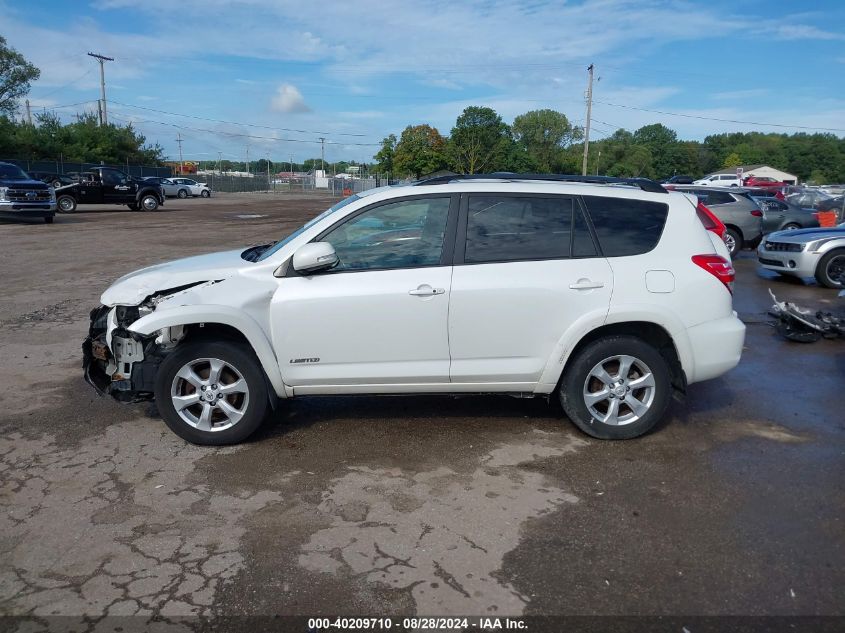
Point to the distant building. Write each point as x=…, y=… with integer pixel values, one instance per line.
x=762, y=170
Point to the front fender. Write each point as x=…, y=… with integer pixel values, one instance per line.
x=224, y=315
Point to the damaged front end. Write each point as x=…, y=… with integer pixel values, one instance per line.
x=122, y=363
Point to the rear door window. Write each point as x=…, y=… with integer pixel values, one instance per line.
x=514, y=228
x=626, y=226
x=719, y=197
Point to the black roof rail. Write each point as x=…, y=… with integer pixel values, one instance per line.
x=643, y=183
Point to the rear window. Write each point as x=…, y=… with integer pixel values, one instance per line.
x=624, y=226
x=719, y=197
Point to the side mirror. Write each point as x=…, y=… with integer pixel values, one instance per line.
x=314, y=257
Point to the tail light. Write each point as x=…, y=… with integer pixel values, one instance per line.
x=757, y=213
x=710, y=221
x=717, y=266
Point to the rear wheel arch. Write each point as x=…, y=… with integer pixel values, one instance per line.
x=655, y=335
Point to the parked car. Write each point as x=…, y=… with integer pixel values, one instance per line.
x=818, y=253
x=170, y=188
x=679, y=180
x=107, y=185
x=22, y=196
x=195, y=188
x=719, y=180
x=832, y=190
x=779, y=215
x=740, y=213
x=763, y=181
x=808, y=198
x=56, y=180
x=609, y=296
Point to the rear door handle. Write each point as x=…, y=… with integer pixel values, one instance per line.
x=425, y=290
x=586, y=284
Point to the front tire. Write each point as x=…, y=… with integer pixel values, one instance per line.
x=792, y=226
x=616, y=388
x=831, y=269
x=212, y=393
x=66, y=204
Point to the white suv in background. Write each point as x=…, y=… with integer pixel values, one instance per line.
x=719, y=180
x=610, y=295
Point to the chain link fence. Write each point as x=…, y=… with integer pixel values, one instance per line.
x=340, y=187
x=70, y=168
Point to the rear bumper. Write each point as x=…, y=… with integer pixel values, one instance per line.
x=716, y=347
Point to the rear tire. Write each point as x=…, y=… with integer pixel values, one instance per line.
x=791, y=227
x=56, y=184
x=183, y=193
x=616, y=388
x=238, y=370
x=831, y=268
x=733, y=240
x=205, y=193
x=66, y=204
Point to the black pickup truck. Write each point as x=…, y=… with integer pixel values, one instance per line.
x=107, y=185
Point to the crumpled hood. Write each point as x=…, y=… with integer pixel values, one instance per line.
x=132, y=289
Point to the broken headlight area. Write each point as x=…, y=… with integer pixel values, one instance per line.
x=121, y=363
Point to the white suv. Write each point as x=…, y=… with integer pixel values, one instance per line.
x=609, y=294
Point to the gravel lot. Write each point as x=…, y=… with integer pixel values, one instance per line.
x=390, y=506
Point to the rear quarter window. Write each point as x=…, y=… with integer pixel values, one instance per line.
x=626, y=227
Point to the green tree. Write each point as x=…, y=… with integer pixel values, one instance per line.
x=386, y=154
x=480, y=142
x=16, y=74
x=662, y=143
x=544, y=134
x=732, y=160
x=420, y=151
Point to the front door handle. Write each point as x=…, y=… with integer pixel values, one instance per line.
x=586, y=284
x=425, y=290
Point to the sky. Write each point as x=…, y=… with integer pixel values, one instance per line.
x=271, y=77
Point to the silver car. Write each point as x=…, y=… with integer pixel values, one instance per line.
x=171, y=188
x=818, y=253
x=739, y=212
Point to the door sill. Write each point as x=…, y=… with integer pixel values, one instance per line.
x=414, y=388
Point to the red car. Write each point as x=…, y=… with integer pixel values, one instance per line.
x=762, y=181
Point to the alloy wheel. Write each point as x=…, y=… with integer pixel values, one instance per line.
x=619, y=390
x=209, y=394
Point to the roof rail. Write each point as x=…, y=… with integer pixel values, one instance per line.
x=643, y=183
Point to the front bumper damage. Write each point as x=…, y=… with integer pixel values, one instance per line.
x=118, y=362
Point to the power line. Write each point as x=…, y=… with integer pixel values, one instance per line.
x=73, y=81
x=264, y=127
x=708, y=118
x=241, y=135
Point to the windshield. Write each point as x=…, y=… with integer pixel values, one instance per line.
x=281, y=243
x=12, y=172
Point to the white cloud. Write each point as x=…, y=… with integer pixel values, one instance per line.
x=289, y=99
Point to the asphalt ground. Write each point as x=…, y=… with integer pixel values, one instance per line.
x=399, y=505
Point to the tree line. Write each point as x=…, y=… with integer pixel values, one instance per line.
x=544, y=141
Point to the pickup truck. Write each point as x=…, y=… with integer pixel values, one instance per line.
x=107, y=185
x=21, y=196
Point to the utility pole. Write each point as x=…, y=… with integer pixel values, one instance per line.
x=220, y=162
x=247, y=159
x=101, y=59
x=28, y=114
x=268, y=172
x=587, y=120
x=323, y=154
x=179, y=141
